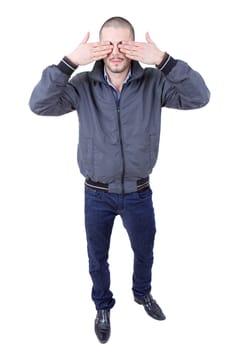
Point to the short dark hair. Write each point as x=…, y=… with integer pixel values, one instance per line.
x=118, y=22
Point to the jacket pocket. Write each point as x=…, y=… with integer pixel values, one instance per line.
x=107, y=162
x=154, y=149
x=85, y=156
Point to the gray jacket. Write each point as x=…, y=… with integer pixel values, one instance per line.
x=119, y=142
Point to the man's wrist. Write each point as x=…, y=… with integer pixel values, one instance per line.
x=160, y=58
x=163, y=60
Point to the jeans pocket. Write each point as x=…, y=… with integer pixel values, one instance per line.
x=92, y=193
x=145, y=194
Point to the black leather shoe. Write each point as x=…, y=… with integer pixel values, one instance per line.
x=151, y=307
x=102, y=325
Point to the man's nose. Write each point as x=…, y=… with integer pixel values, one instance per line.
x=115, y=49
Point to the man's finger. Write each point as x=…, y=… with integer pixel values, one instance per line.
x=148, y=38
x=86, y=38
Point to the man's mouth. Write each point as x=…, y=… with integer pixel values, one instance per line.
x=116, y=60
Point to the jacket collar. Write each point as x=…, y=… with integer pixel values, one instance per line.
x=97, y=72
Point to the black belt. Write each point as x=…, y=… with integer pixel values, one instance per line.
x=142, y=185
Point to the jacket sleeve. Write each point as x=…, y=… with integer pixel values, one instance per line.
x=53, y=95
x=183, y=88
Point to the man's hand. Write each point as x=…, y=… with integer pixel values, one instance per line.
x=86, y=52
x=147, y=53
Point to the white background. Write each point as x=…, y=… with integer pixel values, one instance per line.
x=45, y=286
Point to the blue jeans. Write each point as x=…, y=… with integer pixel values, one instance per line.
x=137, y=213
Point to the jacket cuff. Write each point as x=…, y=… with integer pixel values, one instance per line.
x=66, y=66
x=167, y=64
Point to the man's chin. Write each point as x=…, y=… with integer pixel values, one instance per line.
x=116, y=69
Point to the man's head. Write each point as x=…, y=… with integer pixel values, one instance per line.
x=115, y=30
x=118, y=22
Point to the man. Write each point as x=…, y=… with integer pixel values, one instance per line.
x=119, y=108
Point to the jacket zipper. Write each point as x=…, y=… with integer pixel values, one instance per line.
x=121, y=143
x=122, y=149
